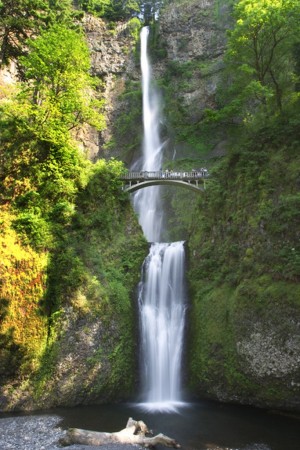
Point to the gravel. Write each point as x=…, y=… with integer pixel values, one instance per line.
x=40, y=433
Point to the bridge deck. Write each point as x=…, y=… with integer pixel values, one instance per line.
x=165, y=174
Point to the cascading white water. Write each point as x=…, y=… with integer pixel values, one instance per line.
x=161, y=299
x=162, y=313
x=147, y=202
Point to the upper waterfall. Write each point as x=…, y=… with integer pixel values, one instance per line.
x=147, y=202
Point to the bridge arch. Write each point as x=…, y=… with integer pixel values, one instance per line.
x=136, y=186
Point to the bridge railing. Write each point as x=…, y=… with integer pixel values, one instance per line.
x=164, y=174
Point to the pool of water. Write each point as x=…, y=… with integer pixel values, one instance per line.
x=197, y=426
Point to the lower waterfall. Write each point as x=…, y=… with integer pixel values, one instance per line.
x=162, y=314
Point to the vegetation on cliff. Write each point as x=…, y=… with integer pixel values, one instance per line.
x=244, y=272
x=121, y=10
x=244, y=252
x=71, y=249
x=238, y=115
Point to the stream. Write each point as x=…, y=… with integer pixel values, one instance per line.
x=204, y=425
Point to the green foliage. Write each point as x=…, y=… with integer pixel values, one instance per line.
x=111, y=9
x=20, y=19
x=250, y=213
x=134, y=26
x=22, y=327
x=97, y=221
x=244, y=261
x=244, y=238
x=17, y=19
x=260, y=58
x=42, y=168
x=96, y=7
x=116, y=10
x=70, y=219
x=35, y=228
x=61, y=88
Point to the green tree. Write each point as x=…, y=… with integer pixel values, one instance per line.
x=21, y=19
x=60, y=87
x=111, y=9
x=96, y=7
x=17, y=20
x=41, y=168
x=260, y=55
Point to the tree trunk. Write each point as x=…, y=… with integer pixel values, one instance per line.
x=134, y=433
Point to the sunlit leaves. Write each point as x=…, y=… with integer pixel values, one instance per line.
x=40, y=163
x=260, y=52
x=23, y=279
x=111, y=9
x=59, y=83
x=21, y=19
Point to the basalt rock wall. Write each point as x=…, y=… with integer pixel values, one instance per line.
x=114, y=64
x=243, y=342
x=186, y=48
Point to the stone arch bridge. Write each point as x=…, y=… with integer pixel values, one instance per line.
x=194, y=180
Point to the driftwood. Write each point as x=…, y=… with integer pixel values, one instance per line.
x=134, y=433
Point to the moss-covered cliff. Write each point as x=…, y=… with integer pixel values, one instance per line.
x=242, y=234
x=70, y=245
x=244, y=268
x=68, y=315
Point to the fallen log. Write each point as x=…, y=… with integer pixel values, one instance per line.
x=134, y=433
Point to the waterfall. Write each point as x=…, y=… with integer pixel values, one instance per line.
x=147, y=202
x=162, y=312
x=161, y=296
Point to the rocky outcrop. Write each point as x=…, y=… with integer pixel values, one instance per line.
x=194, y=38
x=195, y=30
x=82, y=368
x=113, y=63
x=243, y=351
x=8, y=74
x=265, y=353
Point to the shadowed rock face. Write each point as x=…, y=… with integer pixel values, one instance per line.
x=194, y=30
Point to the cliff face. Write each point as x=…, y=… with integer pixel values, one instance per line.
x=113, y=62
x=193, y=37
x=243, y=342
x=186, y=49
x=67, y=332
x=244, y=319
